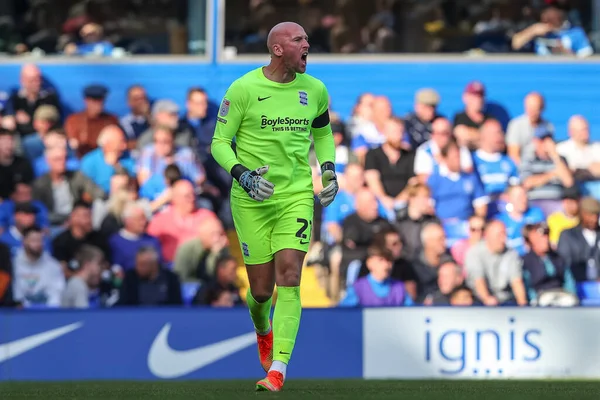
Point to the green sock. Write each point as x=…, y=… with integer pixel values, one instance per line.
x=260, y=313
x=286, y=321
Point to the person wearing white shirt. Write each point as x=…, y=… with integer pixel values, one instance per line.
x=428, y=154
x=38, y=277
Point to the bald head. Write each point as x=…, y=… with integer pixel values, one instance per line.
x=495, y=236
x=579, y=129
x=280, y=33
x=534, y=105
x=31, y=78
x=492, y=136
x=111, y=139
x=210, y=231
x=182, y=187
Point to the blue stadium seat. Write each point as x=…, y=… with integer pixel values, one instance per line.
x=589, y=292
x=188, y=291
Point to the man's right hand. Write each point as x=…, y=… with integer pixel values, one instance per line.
x=255, y=185
x=491, y=301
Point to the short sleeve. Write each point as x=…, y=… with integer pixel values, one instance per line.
x=423, y=162
x=371, y=161
x=513, y=135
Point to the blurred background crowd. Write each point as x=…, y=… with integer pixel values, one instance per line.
x=475, y=208
x=119, y=27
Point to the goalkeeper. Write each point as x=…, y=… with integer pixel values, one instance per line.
x=272, y=112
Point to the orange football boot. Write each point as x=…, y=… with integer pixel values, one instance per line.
x=272, y=383
x=265, y=349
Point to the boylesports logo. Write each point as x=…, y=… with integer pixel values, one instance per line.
x=285, y=124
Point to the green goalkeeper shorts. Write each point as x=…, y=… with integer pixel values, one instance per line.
x=264, y=228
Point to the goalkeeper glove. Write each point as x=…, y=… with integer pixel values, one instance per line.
x=330, y=184
x=253, y=183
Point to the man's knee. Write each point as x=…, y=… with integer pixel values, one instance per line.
x=288, y=266
x=261, y=296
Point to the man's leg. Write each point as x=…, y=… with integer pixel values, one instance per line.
x=259, y=299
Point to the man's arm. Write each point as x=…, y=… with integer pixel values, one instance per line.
x=373, y=179
x=516, y=278
x=322, y=133
x=475, y=273
x=56, y=287
x=520, y=39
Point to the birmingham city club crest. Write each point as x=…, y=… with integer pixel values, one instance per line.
x=224, y=108
x=303, y=98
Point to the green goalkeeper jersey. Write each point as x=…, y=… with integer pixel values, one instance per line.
x=272, y=124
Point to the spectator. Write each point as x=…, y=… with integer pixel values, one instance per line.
x=578, y=246
x=373, y=123
x=543, y=268
x=554, y=35
x=24, y=218
x=411, y=220
x=13, y=168
x=358, y=231
x=449, y=278
x=45, y=118
x=137, y=121
x=496, y=170
x=59, y=189
x=86, y=270
x=457, y=194
x=124, y=244
x=389, y=167
x=38, y=278
x=154, y=158
x=55, y=139
x=460, y=248
x=418, y=123
x=583, y=157
x=22, y=194
x=518, y=214
x=6, y=273
x=361, y=125
x=401, y=269
x=24, y=102
x=92, y=42
x=427, y=157
x=79, y=232
x=218, y=297
x=468, y=122
x=148, y=284
x=567, y=218
x=165, y=114
x=378, y=288
x=195, y=259
x=200, y=119
x=224, y=280
x=83, y=128
x=546, y=174
x=431, y=256
x=107, y=215
x=461, y=296
x=101, y=164
x=494, y=271
x=521, y=130
x=159, y=188
x=178, y=222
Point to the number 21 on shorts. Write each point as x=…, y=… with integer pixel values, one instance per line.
x=301, y=234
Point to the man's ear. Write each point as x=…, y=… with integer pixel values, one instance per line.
x=277, y=50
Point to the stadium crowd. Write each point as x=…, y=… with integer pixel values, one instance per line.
x=100, y=210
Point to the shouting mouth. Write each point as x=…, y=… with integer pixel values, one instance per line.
x=304, y=57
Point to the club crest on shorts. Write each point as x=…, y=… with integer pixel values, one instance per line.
x=224, y=108
x=245, y=250
x=303, y=98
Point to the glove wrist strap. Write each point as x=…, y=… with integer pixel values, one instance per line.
x=327, y=166
x=237, y=171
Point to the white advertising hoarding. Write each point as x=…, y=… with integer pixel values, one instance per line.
x=446, y=343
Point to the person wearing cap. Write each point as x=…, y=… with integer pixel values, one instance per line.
x=468, y=122
x=566, y=218
x=521, y=129
x=545, y=174
x=579, y=246
x=45, y=118
x=83, y=128
x=543, y=268
x=165, y=113
x=30, y=96
x=418, y=123
x=24, y=218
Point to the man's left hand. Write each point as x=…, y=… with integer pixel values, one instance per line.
x=330, y=184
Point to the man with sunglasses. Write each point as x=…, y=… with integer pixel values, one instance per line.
x=543, y=268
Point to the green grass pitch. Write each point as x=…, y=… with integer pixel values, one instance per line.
x=301, y=389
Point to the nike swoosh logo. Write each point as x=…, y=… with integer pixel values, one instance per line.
x=263, y=98
x=164, y=362
x=20, y=346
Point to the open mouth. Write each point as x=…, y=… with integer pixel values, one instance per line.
x=304, y=56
